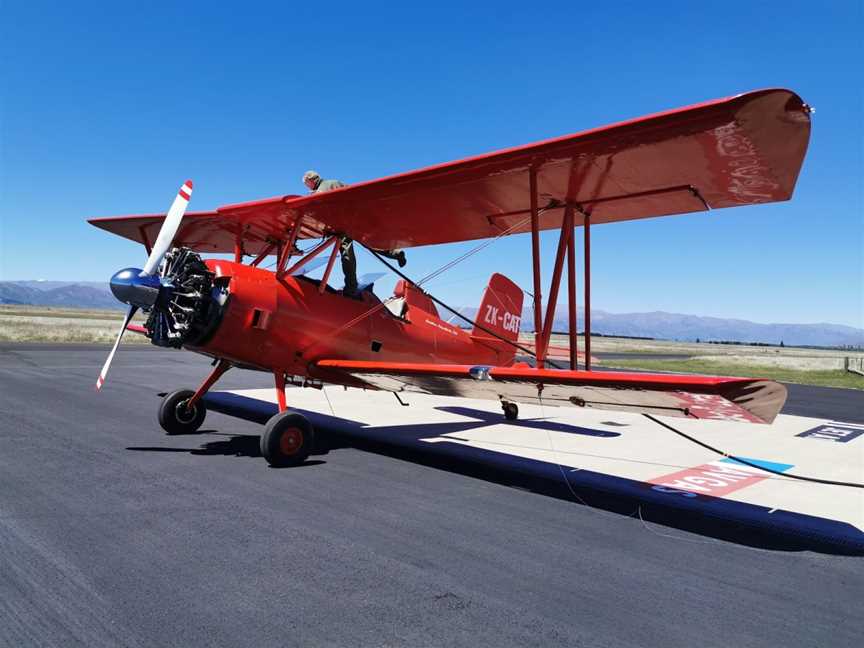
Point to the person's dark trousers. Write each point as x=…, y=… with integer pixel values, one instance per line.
x=349, y=263
x=349, y=266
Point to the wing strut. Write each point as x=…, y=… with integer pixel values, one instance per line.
x=539, y=347
x=571, y=293
x=315, y=251
x=587, y=293
x=238, y=247
x=329, y=269
x=563, y=240
x=264, y=253
x=288, y=250
x=566, y=248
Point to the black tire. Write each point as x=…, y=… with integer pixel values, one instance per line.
x=511, y=410
x=288, y=440
x=176, y=418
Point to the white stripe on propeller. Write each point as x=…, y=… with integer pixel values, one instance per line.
x=169, y=228
x=101, y=379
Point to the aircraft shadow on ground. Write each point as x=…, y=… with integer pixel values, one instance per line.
x=494, y=418
x=235, y=445
x=406, y=443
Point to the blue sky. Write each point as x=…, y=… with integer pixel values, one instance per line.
x=107, y=107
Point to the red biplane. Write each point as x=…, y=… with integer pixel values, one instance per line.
x=740, y=150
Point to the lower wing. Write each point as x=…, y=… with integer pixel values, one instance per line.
x=702, y=397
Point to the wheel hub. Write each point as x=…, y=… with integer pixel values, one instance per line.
x=291, y=441
x=184, y=413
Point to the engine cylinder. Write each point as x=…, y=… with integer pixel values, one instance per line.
x=190, y=302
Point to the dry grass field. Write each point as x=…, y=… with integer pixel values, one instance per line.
x=805, y=366
x=823, y=367
x=48, y=324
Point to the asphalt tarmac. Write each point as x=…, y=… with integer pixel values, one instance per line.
x=113, y=534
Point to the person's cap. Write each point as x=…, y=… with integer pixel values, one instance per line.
x=309, y=175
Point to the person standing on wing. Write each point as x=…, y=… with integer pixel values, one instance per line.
x=315, y=184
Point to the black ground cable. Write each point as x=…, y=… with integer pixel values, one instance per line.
x=752, y=465
x=454, y=311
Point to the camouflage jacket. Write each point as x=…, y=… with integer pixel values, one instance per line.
x=328, y=185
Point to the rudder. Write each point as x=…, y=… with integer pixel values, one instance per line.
x=500, y=310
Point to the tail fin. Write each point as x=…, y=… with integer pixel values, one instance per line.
x=500, y=311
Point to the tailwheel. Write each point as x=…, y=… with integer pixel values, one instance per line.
x=176, y=417
x=288, y=439
x=511, y=410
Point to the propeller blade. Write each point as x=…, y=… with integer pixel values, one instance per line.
x=169, y=228
x=101, y=379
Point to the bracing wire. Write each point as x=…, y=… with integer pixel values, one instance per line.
x=454, y=310
x=429, y=277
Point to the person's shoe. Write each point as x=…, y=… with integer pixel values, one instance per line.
x=400, y=258
x=352, y=294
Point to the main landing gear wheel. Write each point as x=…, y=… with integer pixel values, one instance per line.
x=176, y=418
x=288, y=440
x=511, y=410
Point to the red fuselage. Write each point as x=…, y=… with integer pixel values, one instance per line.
x=288, y=324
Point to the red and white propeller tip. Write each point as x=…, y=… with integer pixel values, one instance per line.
x=186, y=190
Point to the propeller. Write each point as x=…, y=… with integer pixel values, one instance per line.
x=140, y=288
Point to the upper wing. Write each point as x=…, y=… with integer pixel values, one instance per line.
x=703, y=397
x=253, y=225
x=735, y=151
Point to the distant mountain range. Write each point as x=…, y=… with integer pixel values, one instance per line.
x=68, y=294
x=690, y=328
x=659, y=325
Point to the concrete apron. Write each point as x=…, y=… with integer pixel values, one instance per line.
x=616, y=461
